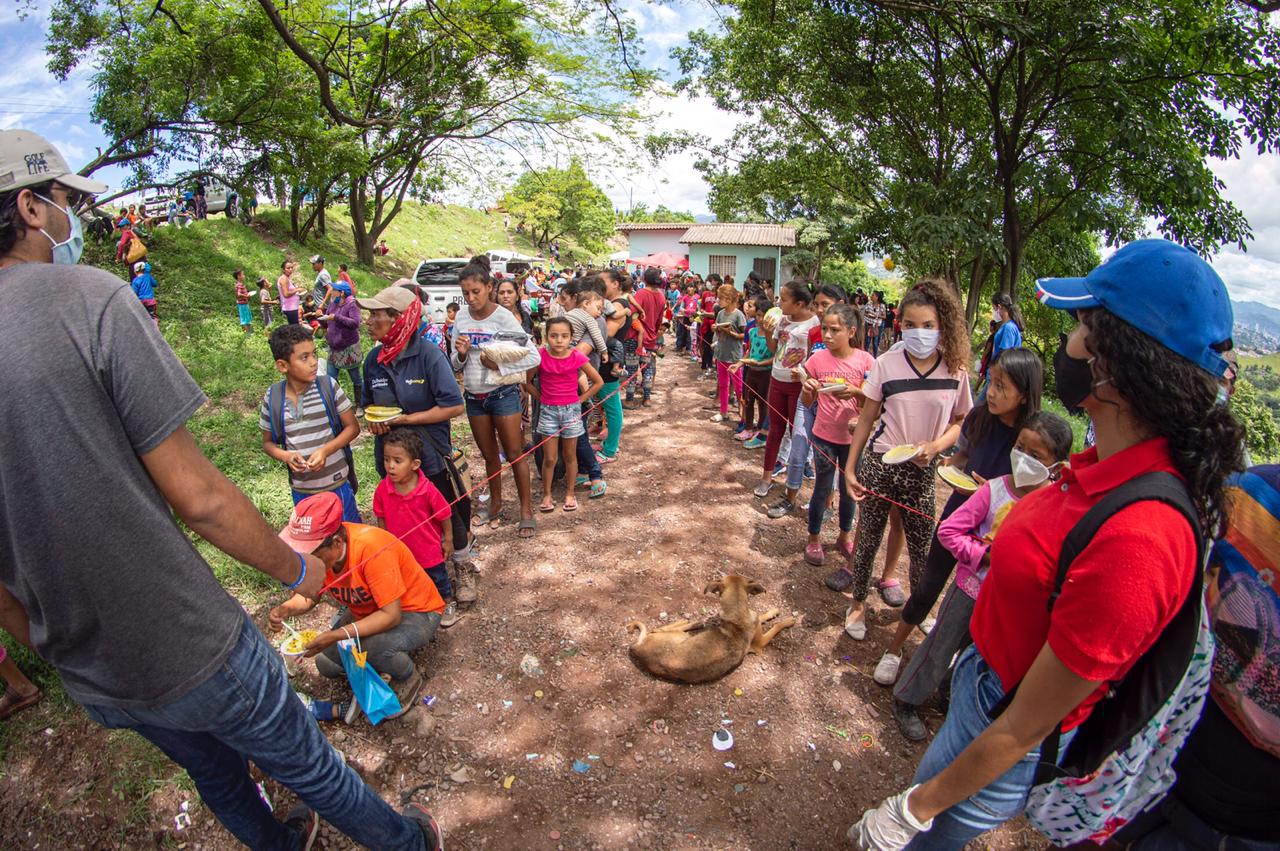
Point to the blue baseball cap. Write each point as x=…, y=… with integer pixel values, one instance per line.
x=1163, y=289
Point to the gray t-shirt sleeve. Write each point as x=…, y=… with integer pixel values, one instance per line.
x=152, y=391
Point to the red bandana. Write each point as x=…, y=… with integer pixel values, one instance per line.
x=400, y=333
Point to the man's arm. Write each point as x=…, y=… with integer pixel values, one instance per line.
x=219, y=512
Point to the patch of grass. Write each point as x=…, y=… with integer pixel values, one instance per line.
x=141, y=770
x=1271, y=360
x=40, y=672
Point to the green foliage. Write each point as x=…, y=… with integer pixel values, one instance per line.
x=1262, y=433
x=1262, y=377
x=641, y=213
x=376, y=98
x=556, y=203
x=850, y=275
x=956, y=136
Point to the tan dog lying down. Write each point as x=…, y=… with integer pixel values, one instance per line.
x=690, y=652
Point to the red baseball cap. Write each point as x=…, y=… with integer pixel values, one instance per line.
x=314, y=519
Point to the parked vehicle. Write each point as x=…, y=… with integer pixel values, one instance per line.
x=219, y=198
x=438, y=283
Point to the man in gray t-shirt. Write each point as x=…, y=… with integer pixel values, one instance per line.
x=96, y=575
x=322, y=289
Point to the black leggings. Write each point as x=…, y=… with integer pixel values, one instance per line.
x=705, y=349
x=937, y=570
x=755, y=390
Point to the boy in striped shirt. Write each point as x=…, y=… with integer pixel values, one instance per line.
x=311, y=428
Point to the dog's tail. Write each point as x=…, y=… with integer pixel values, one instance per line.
x=644, y=631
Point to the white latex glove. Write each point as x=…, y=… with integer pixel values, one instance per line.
x=889, y=827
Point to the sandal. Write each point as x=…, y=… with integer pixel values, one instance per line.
x=546, y=507
x=855, y=627
x=482, y=517
x=598, y=488
x=847, y=549
x=840, y=579
x=527, y=528
x=11, y=702
x=892, y=594
x=571, y=506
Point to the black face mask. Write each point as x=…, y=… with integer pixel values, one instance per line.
x=1073, y=377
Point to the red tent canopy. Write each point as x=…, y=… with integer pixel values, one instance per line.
x=663, y=259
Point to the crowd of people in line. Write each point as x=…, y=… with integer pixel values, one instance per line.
x=1073, y=585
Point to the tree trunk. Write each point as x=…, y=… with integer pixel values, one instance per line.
x=322, y=201
x=360, y=226
x=978, y=272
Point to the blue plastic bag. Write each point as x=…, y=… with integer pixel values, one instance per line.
x=375, y=697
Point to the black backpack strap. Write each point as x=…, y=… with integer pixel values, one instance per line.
x=326, y=386
x=1157, y=486
x=275, y=412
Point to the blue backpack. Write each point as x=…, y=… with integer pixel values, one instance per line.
x=327, y=387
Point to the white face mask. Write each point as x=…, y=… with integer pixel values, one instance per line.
x=920, y=342
x=69, y=250
x=995, y=314
x=1027, y=469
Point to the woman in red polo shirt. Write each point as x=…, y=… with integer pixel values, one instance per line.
x=1144, y=363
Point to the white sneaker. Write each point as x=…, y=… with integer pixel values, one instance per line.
x=855, y=627
x=927, y=625
x=887, y=669
x=717, y=418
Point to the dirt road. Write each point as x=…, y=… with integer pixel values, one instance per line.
x=581, y=750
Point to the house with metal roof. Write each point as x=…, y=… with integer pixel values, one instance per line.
x=723, y=248
x=732, y=248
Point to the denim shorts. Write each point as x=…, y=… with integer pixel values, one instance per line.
x=502, y=402
x=553, y=418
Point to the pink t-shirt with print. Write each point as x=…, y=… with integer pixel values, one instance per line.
x=834, y=415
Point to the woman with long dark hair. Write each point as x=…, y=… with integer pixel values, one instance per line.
x=1006, y=333
x=1144, y=362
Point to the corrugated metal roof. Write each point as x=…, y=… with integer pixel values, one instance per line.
x=731, y=233
x=626, y=226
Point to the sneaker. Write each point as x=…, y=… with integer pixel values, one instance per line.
x=781, y=508
x=305, y=822
x=450, y=615
x=466, y=588
x=351, y=712
x=814, y=555
x=778, y=470
x=741, y=427
x=839, y=580
x=809, y=473
x=359, y=413
x=605, y=459
x=756, y=442
x=430, y=829
x=927, y=625
x=717, y=418
x=886, y=673
x=762, y=489
x=855, y=626
x=909, y=722
x=407, y=691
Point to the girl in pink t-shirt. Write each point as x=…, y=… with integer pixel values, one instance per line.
x=835, y=376
x=558, y=391
x=917, y=395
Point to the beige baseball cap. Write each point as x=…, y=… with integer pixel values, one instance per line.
x=28, y=158
x=394, y=297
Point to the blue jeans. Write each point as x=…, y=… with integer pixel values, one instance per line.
x=975, y=690
x=502, y=402
x=350, y=511
x=247, y=710
x=798, y=453
x=388, y=651
x=829, y=460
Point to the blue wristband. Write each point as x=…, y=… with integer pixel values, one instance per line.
x=302, y=561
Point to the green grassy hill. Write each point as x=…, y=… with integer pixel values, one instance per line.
x=193, y=267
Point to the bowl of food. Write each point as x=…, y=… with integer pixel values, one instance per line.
x=293, y=648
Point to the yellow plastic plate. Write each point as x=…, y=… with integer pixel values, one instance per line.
x=958, y=479
x=901, y=454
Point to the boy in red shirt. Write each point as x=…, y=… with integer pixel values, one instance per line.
x=408, y=506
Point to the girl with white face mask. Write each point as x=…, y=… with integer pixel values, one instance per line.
x=916, y=396
x=1043, y=445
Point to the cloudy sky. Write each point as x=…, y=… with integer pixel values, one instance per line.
x=30, y=97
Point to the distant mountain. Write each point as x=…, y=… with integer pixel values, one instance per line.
x=704, y=218
x=1257, y=327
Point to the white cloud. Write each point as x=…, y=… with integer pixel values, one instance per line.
x=1253, y=184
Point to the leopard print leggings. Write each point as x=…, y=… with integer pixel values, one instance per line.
x=908, y=484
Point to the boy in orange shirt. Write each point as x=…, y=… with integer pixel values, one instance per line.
x=386, y=597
